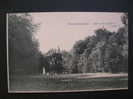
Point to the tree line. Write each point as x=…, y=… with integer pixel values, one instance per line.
x=105, y=51
x=23, y=47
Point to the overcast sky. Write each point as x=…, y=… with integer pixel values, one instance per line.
x=64, y=28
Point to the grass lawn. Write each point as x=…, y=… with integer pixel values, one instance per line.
x=65, y=83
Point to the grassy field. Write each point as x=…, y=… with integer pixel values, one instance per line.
x=68, y=82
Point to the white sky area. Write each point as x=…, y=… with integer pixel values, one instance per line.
x=63, y=29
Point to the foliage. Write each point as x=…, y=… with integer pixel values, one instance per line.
x=23, y=47
x=53, y=61
x=67, y=61
x=103, y=52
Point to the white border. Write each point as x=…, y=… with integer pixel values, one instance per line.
x=89, y=90
x=7, y=51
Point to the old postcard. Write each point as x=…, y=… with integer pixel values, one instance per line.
x=67, y=51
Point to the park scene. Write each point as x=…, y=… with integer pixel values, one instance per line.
x=67, y=51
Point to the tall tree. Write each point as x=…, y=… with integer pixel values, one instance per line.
x=54, y=61
x=23, y=47
x=67, y=61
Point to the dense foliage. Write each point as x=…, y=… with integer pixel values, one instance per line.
x=23, y=47
x=103, y=52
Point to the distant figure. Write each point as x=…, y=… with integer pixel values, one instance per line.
x=43, y=70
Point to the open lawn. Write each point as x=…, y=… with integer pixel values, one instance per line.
x=67, y=82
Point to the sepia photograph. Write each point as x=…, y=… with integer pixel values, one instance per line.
x=67, y=51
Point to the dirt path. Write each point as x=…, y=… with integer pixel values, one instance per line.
x=84, y=75
x=93, y=75
x=97, y=75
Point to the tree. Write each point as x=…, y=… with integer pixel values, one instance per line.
x=67, y=61
x=23, y=47
x=79, y=47
x=77, y=50
x=124, y=19
x=103, y=52
x=54, y=61
x=117, y=50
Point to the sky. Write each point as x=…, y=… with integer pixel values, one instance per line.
x=63, y=29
